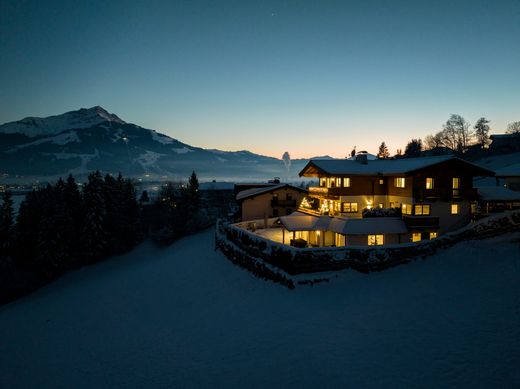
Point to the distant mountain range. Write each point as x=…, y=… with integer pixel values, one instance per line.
x=88, y=139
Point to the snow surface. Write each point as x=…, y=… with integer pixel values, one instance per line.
x=149, y=158
x=184, y=316
x=161, y=138
x=183, y=150
x=60, y=139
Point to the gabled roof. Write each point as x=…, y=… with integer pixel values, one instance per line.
x=509, y=171
x=497, y=193
x=382, y=167
x=248, y=193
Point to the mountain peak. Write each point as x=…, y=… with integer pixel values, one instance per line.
x=81, y=118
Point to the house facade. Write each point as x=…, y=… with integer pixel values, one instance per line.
x=269, y=201
x=395, y=201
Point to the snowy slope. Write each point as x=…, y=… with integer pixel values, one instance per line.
x=184, y=316
x=82, y=118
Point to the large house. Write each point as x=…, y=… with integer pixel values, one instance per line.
x=379, y=202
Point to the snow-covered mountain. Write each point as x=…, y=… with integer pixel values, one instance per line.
x=82, y=118
x=87, y=139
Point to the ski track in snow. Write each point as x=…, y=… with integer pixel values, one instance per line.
x=184, y=316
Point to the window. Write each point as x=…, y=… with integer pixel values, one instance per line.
x=375, y=240
x=381, y=205
x=429, y=183
x=323, y=181
x=406, y=209
x=456, y=186
x=433, y=235
x=454, y=209
x=416, y=237
x=339, y=239
x=381, y=181
x=350, y=207
x=422, y=209
x=338, y=182
x=337, y=206
x=346, y=182
x=400, y=182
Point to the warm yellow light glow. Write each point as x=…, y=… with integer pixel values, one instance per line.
x=433, y=235
x=400, y=182
x=429, y=183
x=416, y=237
x=375, y=240
x=454, y=209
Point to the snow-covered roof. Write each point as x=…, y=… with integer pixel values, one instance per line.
x=374, y=225
x=509, y=171
x=380, y=166
x=498, y=193
x=303, y=222
x=257, y=191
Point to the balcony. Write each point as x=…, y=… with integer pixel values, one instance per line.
x=421, y=222
x=283, y=203
x=323, y=191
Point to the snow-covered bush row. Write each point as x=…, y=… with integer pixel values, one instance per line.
x=243, y=259
x=362, y=258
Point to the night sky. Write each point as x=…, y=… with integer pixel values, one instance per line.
x=309, y=77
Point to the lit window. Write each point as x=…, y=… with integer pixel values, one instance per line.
x=433, y=235
x=375, y=240
x=416, y=237
x=381, y=181
x=323, y=181
x=422, y=209
x=456, y=183
x=338, y=182
x=346, y=182
x=406, y=209
x=350, y=207
x=456, y=186
x=454, y=209
x=381, y=205
x=429, y=183
x=400, y=182
x=337, y=206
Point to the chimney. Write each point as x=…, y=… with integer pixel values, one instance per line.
x=362, y=159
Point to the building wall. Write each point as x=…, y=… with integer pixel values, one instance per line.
x=362, y=240
x=447, y=221
x=260, y=206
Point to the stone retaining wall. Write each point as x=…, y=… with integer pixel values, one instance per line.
x=233, y=239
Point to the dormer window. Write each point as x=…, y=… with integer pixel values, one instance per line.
x=400, y=182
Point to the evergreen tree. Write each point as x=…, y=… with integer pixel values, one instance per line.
x=413, y=148
x=6, y=230
x=383, y=151
x=94, y=231
x=482, y=132
x=144, y=198
x=193, y=192
x=52, y=255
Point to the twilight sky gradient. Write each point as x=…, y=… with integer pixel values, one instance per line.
x=309, y=77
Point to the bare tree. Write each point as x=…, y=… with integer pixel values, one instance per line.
x=513, y=128
x=432, y=142
x=482, y=132
x=456, y=133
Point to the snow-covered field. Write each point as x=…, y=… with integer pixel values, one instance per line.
x=184, y=316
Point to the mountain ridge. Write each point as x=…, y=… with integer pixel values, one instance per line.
x=92, y=138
